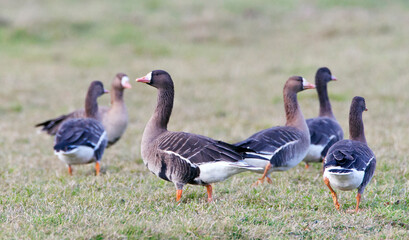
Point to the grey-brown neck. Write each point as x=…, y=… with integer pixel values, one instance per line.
x=117, y=95
x=91, y=104
x=325, y=105
x=158, y=123
x=293, y=113
x=356, y=125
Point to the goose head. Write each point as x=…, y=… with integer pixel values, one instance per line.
x=297, y=84
x=158, y=78
x=324, y=75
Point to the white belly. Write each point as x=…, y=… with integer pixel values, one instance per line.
x=314, y=153
x=257, y=163
x=345, y=181
x=219, y=171
x=292, y=162
x=79, y=155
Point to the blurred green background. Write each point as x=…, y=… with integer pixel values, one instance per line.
x=229, y=61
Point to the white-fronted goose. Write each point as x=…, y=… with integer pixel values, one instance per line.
x=83, y=140
x=114, y=118
x=350, y=164
x=283, y=146
x=324, y=129
x=180, y=157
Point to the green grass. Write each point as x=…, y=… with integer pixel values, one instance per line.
x=229, y=60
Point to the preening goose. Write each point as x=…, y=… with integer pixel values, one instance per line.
x=324, y=129
x=284, y=146
x=83, y=140
x=180, y=157
x=350, y=164
x=113, y=118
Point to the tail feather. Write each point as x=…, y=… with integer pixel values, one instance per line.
x=340, y=171
x=51, y=126
x=63, y=146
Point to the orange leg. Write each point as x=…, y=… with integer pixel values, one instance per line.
x=269, y=180
x=97, y=168
x=261, y=180
x=209, y=193
x=307, y=166
x=358, y=200
x=178, y=194
x=333, y=193
x=70, y=170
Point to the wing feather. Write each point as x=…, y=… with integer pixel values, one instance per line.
x=198, y=149
x=269, y=140
x=325, y=132
x=79, y=132
x=349, y=154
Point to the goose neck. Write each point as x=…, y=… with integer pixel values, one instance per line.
x=117, y=95
x=293, y=113
x=325, y=105
x=91, y=105
x=157, y=124
x=356, y=126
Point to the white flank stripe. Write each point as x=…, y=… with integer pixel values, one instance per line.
x=285, y=145
x=181, y=157
x=269, y=155
x=265, y=155
x=100, y=140
x=370, y=160
x=330, y=138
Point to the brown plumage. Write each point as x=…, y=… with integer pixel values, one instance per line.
x=324, y=129
x=114, y=118
x=284, y=146
x=180, y=157
x=83, y=140
x=350, y=164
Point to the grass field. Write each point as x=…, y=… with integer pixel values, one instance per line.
x=229, y=61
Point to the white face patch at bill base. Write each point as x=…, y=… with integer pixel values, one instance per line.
x=124, y=80
x=304, y=82
x=148, y=76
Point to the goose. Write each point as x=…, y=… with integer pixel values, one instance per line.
x=83, y=140
x=282, y=147
x=324, y=129
x=350, y=163
x=181, y=157
x=113, y=118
